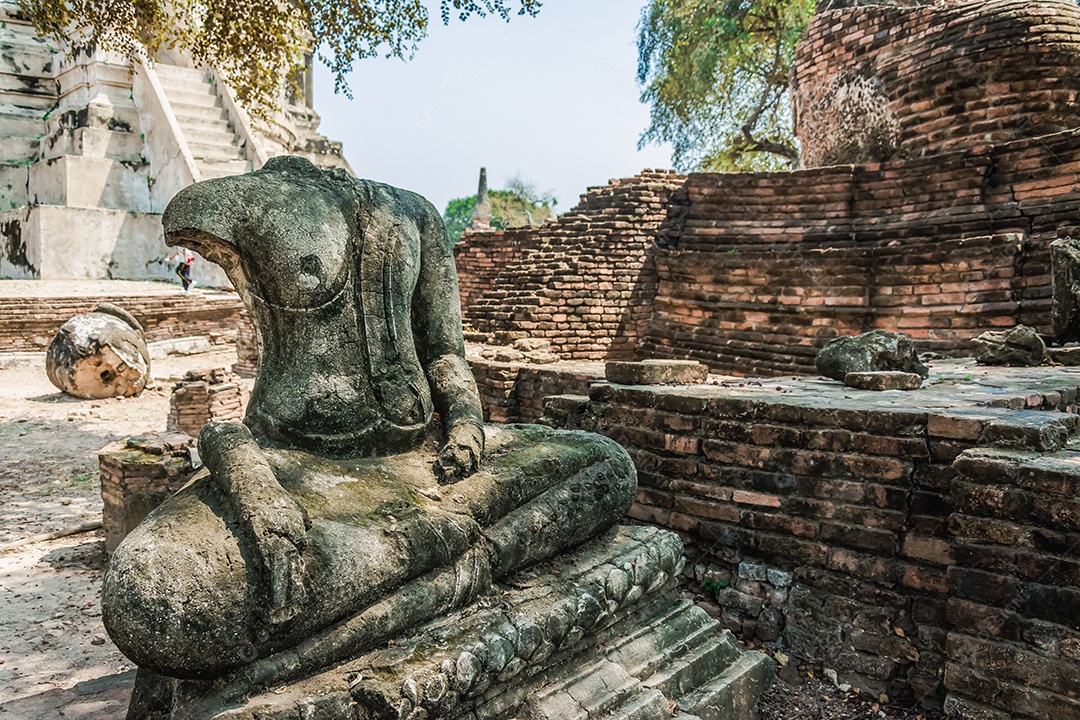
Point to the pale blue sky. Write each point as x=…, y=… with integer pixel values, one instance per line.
x=551, y=97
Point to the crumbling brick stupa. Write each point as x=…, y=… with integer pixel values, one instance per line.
x=941, y=232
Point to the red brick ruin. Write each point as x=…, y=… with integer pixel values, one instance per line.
x=943, y=236
x=927, y=547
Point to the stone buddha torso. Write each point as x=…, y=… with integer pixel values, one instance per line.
x=341, y=374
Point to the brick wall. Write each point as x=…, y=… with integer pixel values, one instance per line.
x=137, y=475
x=480, y=257
x=247, y=347
x=752, y=273
x=1015, y=581
x=513, y=392
x=757, y=271
x=878, y=82
x=205, y=395
x=875, y=537
x=583, y=281
x=29, y=324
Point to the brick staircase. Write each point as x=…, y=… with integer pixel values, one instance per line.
x=213, y=141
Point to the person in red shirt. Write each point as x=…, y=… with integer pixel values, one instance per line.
x=187, y=259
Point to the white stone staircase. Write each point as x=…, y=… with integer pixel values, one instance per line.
x=217, y=149
x=28, y=93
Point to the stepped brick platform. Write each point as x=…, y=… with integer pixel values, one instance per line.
x=922, y=543
x=32, y=311
x=941, y=233
x=515, y=392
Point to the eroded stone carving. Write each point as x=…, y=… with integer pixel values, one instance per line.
x=341, y=512
x=99, y=354
x=872, y=351
x=1065, y=269
x=1020, y=345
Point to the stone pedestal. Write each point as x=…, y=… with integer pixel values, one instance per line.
x=600, y=632
x=137, y=475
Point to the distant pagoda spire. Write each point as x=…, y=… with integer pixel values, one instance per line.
x=481, y=215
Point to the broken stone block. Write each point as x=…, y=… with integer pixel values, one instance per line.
x=884, y=380
x=1065, y=271
x=526, y=345
x=535, y=350
x=509, y=355
x=99, y=354
x=1018, y=346
x=656, y=372
x=1064, y=355
x=873, y=351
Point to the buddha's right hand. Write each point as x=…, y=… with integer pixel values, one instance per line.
x=273, y=522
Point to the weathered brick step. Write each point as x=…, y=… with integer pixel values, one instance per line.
x=1055, y=474
x=732, y=694
x=1018, y=429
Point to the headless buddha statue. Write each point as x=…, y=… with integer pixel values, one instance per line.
x=362, y=470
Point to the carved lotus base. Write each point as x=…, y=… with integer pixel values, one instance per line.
x=600, y=632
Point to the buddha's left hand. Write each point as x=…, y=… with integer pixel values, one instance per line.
x=459, y=457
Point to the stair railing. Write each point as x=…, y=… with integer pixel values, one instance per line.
x=166, y=149
x=240, y=121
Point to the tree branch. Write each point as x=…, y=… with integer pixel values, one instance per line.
x=755, y=145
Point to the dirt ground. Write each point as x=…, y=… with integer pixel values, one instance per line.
x=55, y=658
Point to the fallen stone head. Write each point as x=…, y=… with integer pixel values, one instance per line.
x=99, y=354
x=362, y=494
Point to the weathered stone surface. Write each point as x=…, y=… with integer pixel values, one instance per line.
x=656, y=372
x=341, y=514
x=874, y=351
x=1065, y=268
x=884, y=380
x=598, y=632
x=1018, y=346
x=1064, y=355
x=100, y=354
x=536, y=351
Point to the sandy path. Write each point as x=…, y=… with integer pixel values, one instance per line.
x=55, y=659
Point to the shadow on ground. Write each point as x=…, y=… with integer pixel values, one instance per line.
x=103, y=698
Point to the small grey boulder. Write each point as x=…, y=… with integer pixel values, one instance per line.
x=99, y=354
x=1017, y=346
x=873, y=351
